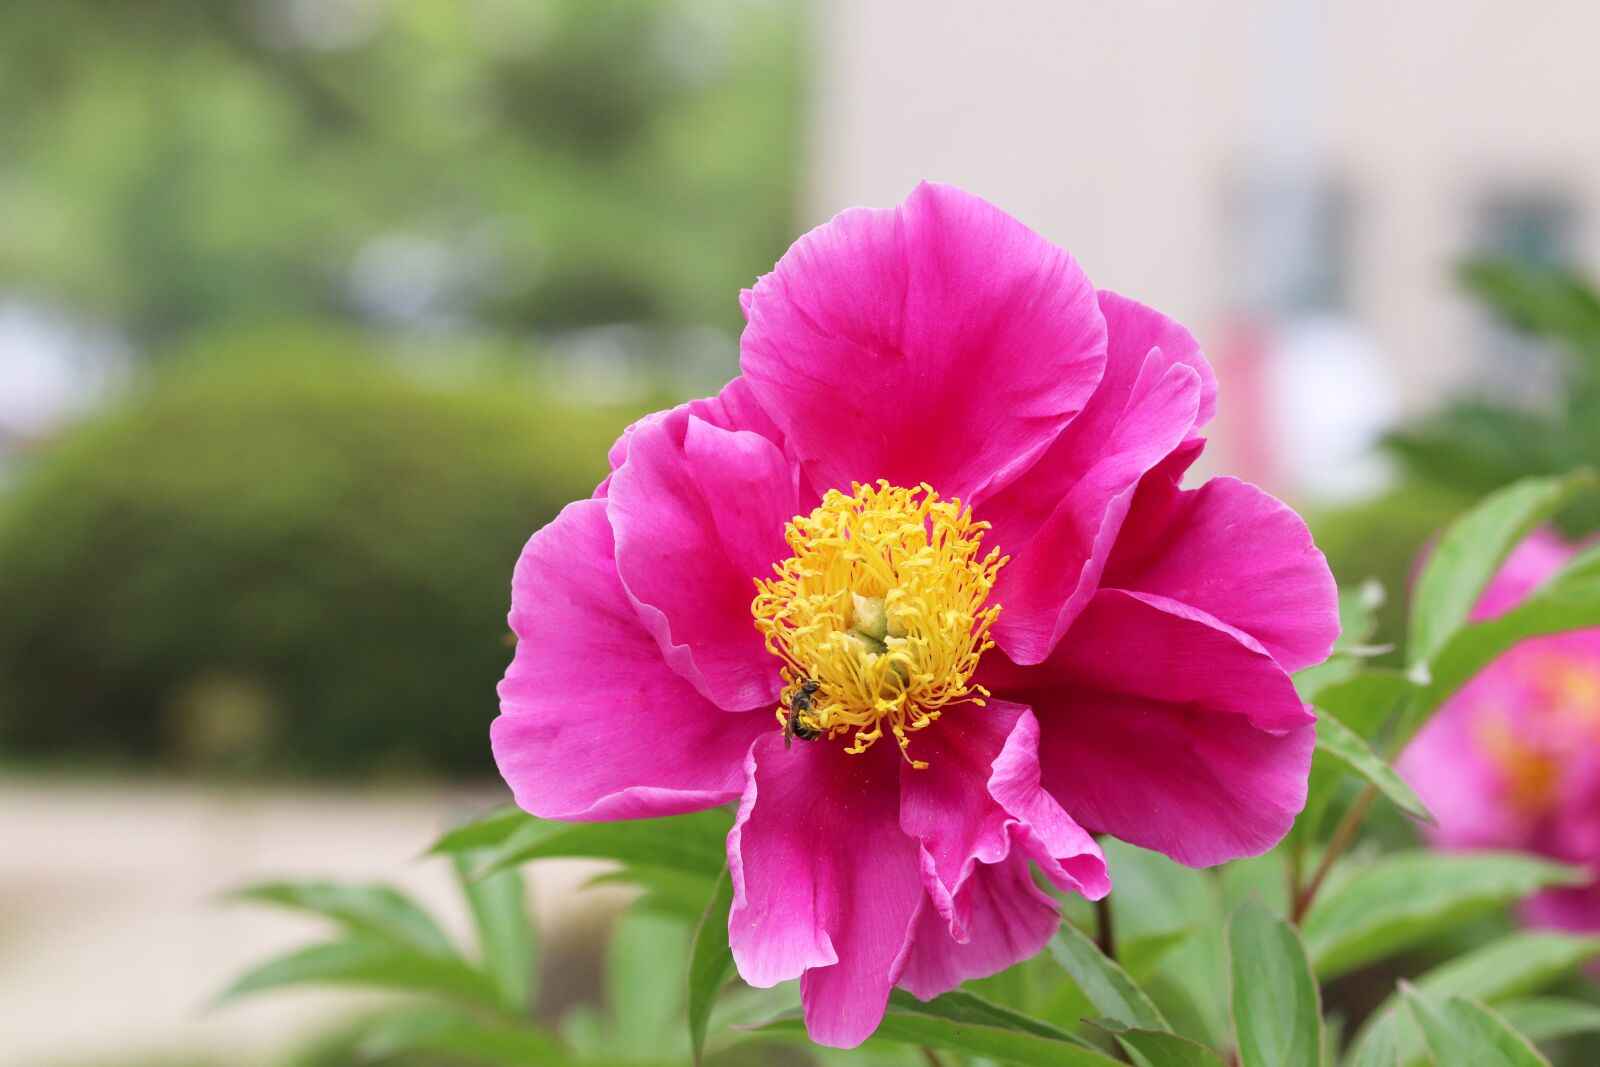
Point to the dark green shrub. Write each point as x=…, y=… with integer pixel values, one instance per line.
x=281, y=566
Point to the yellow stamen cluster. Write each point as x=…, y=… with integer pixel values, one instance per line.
x=881, y=605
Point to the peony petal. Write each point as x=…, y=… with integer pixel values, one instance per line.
x=1012, y=919
x=1059, y=520
x=698, y=514
x=593, y=725
x=1236, y=553
x=1133, y=331
x=1167, y=729
x=824, y=882
x=1539, y=556
x=1576, y=910
x=1056, y=564
x=734, y=408
x=938, y=341
x=979, y=794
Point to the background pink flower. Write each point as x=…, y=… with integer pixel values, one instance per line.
x=1513, y=760
x=955, y=468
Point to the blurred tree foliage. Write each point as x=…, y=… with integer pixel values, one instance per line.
x=267, y=565
x=169, y=164
x=1480, y=442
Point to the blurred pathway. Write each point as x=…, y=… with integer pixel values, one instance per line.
x=112, y=941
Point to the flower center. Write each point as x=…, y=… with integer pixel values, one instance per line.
x=879, y=615
x=1563, y=692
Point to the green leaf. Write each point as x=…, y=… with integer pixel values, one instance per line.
x=1277, y=1010
x=1549, y=302
x=375, y=910
x=1518, y=963
x=1346, y=746
x=1511, y=966
x=710, y=963
x=1378, y=1050
x=666, y=892
x=1107, y=985
x=1141, y=954
x=1549, y=1018
x=1472, y=549
x=1569, y=600
x=1364, y=704
x=1406, y=897
x=1358, y=620
x=693, y=844
x=499, y=908
x=1368, y=702
x=1459, y=1031
x=484, y=832
x=1158, y=1048
x=646, y=958
x=961, y=1022
x=459, y=1036
x=375, y=964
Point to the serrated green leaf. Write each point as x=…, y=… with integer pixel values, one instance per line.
x=693, y=844
x=374, y=964
x=1406, y=897
x=1459, y=1030
x=1158, y=1048
x=459, y=1036
x=1277, y=1010
x=961, y=1022
x=1107, y=985
x=1346, y=746
x=1549, y=1018
x=375, y=910
x=710, y=963
x=486, y=831
x=1471, y=551
x=499, y=909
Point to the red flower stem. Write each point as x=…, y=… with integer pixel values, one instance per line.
x=1346, y=833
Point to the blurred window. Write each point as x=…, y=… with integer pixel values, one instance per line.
x=1291, y=242
x=1534, y=228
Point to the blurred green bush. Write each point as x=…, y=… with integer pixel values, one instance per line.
x=1478, y=442
x=281, y=565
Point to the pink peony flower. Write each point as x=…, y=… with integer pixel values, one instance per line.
x=921, y=591
x=1513, y=760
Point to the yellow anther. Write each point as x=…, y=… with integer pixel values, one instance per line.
x=882, y=604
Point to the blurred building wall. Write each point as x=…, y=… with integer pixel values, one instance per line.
x=1137, y=133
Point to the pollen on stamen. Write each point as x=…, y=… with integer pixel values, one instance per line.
x=884, y=605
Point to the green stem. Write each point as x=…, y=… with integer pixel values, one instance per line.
x=1107, y=932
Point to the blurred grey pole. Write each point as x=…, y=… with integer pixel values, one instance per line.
x=1285, y=155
